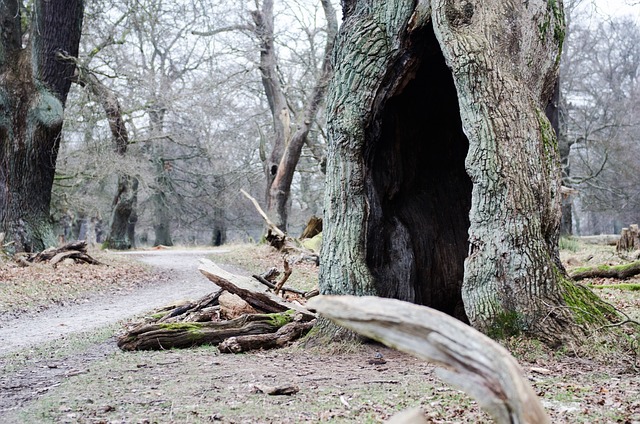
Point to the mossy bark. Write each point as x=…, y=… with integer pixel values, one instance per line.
x=184, y=335
x=443, y=173
x=34, y=83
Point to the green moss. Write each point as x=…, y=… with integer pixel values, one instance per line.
x=605, y=268
x=630, y=287
x=179, y=326
x=549, y=139
x=48, y=110
x=580, y=269
x=587, y=307
x=506, y=324
x=282, y=318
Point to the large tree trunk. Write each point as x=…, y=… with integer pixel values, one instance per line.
x=34, y=83
x=442, y=178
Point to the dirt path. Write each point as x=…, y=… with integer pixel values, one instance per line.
x=185, y=282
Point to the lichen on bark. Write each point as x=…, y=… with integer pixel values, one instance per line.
x=388, y=205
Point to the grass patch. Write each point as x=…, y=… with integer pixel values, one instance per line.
x=58, y=349
x=569, y=243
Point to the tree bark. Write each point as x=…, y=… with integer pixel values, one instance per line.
x=122, y=227
x=287, y=147
x=471, y=361
x=34, y=83
x=285, y=335
x=442, y=177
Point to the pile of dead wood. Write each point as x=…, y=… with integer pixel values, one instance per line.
x=244, y=314
x=75, y=251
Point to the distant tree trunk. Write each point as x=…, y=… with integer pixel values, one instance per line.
x=122, y=228
x=287, y=148
x=34, y=83
x=162, y=186
x=123, y=217
x=442, y=174
x=162, y=215
x=219, y=232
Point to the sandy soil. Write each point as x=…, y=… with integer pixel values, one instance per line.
x=186, y=282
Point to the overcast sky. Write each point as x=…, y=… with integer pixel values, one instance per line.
x=618, y=7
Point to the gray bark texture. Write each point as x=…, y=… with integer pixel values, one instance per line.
x=443, y=174
x=34, y=83
x=123, y=216
x=286, y=146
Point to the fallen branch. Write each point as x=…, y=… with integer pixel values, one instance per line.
x=280, y=338
x=183, y=335
x=272, y=286
x=248, y=289
x=472, y=361
x=285, y=276
x=274, y=229
x=604, y=271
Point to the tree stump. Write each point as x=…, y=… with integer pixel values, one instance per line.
x=629, y=239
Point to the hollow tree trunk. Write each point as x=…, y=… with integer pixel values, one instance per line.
x=442, y=177
x=34, y=83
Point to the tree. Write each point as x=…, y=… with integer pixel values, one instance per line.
x=442, y=174
x=286, y=146
x=601, y=91
x=34, y=83
x=124, y=215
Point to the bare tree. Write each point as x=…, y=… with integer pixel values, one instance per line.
x=286, y=146
x=602, y=96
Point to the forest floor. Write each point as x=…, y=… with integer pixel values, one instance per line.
x=59, y=361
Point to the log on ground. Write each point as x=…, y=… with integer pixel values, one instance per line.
x=76, y=250
x=471, y=361
x=280, y=338
x=247, y=288
x=623, y=271
x=162, y=336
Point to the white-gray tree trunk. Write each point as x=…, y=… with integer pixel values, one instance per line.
x=442, y=175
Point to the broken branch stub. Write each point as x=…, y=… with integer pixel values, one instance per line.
x=471, y=361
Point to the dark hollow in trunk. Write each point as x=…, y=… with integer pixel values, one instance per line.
x=418, y=190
